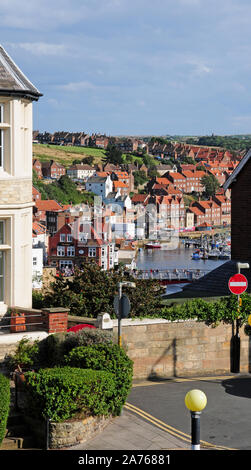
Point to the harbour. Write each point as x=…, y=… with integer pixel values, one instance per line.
x=175, y=267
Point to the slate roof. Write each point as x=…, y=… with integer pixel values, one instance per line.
x=12, y=79
x=215, y=283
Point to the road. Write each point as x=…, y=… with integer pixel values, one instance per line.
x=225, y=422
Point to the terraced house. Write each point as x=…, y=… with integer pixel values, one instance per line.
x=16, y=96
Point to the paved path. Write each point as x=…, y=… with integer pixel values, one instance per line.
x=131, y=432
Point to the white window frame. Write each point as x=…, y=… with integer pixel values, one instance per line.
x=92, y=252
x=70, y=251
x=69, y=237
x=62, y=237
x=60, y=251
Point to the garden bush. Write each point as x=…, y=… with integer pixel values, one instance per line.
x=4, y=404
x=107, y=357
x=56, y=346
x=63, y=393
x=212, y=313
x=26, y=355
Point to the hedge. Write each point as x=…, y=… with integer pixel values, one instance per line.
x=62, y=393
x=212, y=313
x=110, y=358
x=4, y=404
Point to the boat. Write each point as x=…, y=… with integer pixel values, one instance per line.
x=152, y=245
x=224, y=255
x=196, y=255
x=214, y=254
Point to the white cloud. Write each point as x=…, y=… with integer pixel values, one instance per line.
x=78, y=86
x=41, y=48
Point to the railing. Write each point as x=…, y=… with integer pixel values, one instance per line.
x=18, y=320
x=170, y=274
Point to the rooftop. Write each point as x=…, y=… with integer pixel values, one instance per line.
x=13, y=81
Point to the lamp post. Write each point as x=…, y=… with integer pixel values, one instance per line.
x=121, y=313
x=195, y=401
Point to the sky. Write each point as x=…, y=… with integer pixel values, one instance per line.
x=134, y=67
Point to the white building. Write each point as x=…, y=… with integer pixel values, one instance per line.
x=16, y=96
x=37, y=268
x=80, y=171
x=100, y=185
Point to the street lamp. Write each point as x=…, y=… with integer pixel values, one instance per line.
x=120, y=306
x=195, y=401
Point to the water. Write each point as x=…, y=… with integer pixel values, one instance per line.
x=180, y=258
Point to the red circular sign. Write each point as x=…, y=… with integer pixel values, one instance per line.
x=237, y=284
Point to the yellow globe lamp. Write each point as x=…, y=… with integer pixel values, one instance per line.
x=195, y=400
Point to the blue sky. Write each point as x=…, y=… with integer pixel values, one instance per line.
x=134, y=66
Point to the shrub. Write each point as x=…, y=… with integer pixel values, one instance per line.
x=55, y=346
x=25, y=355
x=4, y=404
x=108, y=357
x=212, y=313
x=63, y=393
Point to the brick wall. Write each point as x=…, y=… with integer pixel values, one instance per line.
x=181, y=349
x=241, y=215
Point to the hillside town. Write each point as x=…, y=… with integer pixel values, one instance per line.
x=121, y=286
x=61, y=229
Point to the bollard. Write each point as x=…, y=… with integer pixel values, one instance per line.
x=195, y=401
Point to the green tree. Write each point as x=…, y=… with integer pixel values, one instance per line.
x=139, y=178
x=113, y=155
x=211, y=184
x=91, y=291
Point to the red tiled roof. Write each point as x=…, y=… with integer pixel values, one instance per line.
x=48, y=205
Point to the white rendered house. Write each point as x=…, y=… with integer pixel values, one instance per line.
x=16, y=96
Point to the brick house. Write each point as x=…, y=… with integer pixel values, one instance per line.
x=79, y=243
x=37, y=166
x=41, y=206
x=36, y=195
x=178, y=180
x=53, y=169
x=239, y=183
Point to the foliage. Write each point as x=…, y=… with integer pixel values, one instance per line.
x=53, y=348
x=139, y=178
x=25, y=356
x=211, y=184
x=212, y=313
x=37, y=299
x=91, y=291
x=61, y=393
x=108, y=357
x=113, y=155
x=63, y=191
x=4, y=404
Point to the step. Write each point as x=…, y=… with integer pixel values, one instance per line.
x=12, y=443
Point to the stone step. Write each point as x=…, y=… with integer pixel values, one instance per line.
x=12, y=443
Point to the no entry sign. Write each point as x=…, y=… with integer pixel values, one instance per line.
x=238, y=284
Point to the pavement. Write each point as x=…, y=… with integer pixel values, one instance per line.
x=131, y=432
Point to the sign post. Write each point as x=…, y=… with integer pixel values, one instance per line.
x=122, y=306
x=237, y=284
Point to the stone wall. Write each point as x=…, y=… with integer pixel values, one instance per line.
x=15, y=191
x=188, y=348
x=67, y=433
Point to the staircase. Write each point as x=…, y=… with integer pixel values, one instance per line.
x=18, y=435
